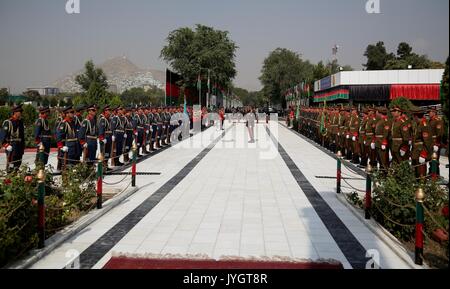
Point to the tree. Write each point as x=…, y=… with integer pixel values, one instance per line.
x=377, y=56
x=320, y=71
x=193, y=52
x=92, y=75
x=3, y=96
x=53, y=102
x=29, y=115
x=282, y=70
x=379, y=59
x=96, y=94
x=138, y=96
x=115, y=101
x=404, y=50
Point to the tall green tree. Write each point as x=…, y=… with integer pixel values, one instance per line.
x=282, y=70
x=379, y=59
x=320, y=71
x=91, y=75
x=377, y=56
x=95, y=84
x=195, y=52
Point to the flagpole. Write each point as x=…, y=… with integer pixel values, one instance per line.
x=199, y=86
x=207, y=93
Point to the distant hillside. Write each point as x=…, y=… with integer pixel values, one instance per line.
x=121, y=72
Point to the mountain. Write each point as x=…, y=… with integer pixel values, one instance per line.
x=121, y=73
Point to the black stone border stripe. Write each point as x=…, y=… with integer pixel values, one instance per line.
x=347, y=164
x=347, y=242
x=96, y=251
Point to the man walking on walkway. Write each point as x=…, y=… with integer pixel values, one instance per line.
x=250, y=123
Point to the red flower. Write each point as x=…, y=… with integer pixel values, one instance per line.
x=7, y=181
x=28, y=179
x=445, y=211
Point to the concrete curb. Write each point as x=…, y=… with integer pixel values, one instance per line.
x=392, y=242
x=56, y=240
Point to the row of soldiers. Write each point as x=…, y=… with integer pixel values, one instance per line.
x=373, y=136
x=111, y=131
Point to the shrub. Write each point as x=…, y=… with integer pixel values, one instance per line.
x=64, y=203
x=394, y=203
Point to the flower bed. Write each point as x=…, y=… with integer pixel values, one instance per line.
x=66, y=199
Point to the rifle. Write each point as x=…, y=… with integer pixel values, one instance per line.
x=85, y=154
x=9, y=156
x=65, y=160
x=113, y=153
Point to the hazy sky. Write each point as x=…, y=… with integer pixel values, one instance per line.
x=40, y=42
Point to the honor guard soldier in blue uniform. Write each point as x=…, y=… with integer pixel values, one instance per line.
x=129, y=133
x=118, y=130
x=166, y=125
x=154, y=126
x=60, y=118
x=146, y=130
x=159, y=123
x=12, y=138
x=66, y=139
x=105, y=134
x=78, y=119
x=139, y=133
x=43, y=135
x=150, y=129
x=88, y=136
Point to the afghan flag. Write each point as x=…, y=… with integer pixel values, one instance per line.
x=172, y=88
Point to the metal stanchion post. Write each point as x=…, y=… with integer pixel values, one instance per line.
x=368, y=202
x=41, y=208
x=420, y=196
x=339, y=174
x=133, y=168
x=100, y=181
x=434, y=167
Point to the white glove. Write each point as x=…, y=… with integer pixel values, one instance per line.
x=402, y=153
x=354, y=138
x=410, y=143
x=422, y=160
x=136, y=133
x=372, y=145
x=113, y=138
x=9, y=148
x=105, y=141
x=383, y=147
x=125, y=136
x=65, y=149
x=147, y=131
x=347, y=136
x=365, y=142
x=435, y=149
x=85, y=145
